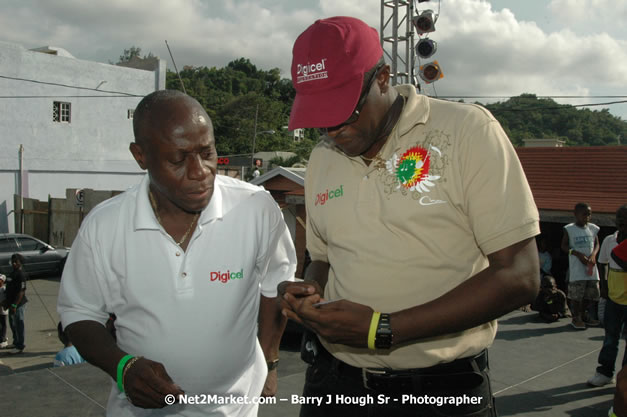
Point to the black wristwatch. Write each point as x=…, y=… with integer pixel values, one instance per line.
x=272, y=365
x=383, y=337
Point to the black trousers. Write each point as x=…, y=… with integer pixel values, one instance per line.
x=333, y=388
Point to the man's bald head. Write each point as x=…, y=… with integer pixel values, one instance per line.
x=174, y=142
x=155, y=111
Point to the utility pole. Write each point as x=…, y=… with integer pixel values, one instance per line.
x=252, y=154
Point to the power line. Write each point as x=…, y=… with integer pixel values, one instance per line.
x=535, y=96
x=67, y=86
x=110, y=96
x=563, y=107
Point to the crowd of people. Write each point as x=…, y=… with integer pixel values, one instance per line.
x=182, y=285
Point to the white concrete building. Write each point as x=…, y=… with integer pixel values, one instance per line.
x=66, y=123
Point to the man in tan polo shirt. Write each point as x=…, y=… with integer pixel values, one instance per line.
x=420, y=227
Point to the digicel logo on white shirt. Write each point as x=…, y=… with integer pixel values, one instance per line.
x=228, y=275
x=310, y=72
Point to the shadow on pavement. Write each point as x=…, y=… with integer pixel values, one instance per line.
x=544, y=401
x=511, y=335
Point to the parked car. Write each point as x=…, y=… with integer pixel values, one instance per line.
x=40, y=257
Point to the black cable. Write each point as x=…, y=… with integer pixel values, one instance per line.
x=535, y=96
x=66, y=85
x=114, y=96
x=563, y=107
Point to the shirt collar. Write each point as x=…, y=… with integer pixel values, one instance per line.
x=214, y=209
x=415, y=112
x=145, y=218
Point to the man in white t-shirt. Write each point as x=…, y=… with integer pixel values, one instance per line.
x=189, y=263
x=581, y=242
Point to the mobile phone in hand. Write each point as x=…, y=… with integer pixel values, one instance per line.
x=317, y=305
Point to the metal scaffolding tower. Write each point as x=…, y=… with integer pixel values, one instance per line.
x=397, y=40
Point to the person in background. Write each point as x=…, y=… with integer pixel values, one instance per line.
x=3, y=313
x=551, y=302
x=615, y=293
x=581, y=242
x=546, y=260
x=16, y=301
x=68, y=355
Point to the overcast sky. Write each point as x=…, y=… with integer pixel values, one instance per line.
x=485, y=48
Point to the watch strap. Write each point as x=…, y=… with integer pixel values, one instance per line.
x=272, y=365
x=383, y=338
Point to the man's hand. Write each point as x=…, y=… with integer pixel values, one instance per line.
x=270, y=387
x=297, y=290
x=582, y=258
x=341, y=321
x=147, y=383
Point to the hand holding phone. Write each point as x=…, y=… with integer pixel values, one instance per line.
x=317, y=305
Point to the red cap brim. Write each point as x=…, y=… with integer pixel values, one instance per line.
x=326, y=108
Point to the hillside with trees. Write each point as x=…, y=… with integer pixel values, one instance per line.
x=530, y=117
x=233, y=95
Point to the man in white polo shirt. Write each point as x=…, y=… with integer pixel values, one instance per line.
x=188, y=261
x=420, y=226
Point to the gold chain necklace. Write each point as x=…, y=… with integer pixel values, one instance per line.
x=153, y=203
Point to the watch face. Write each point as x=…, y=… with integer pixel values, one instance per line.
x=383, y=339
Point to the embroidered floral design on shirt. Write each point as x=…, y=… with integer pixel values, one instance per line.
x=437, y=144
x=412, y=169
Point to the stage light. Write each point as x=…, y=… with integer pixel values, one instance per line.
x=431, y=72
x=425, y=22
x=426, y=48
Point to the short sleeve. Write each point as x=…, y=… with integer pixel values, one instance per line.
x=279, y=262
x=80, y=294
x=497, y=197
x=606, y=247
x=316, y=245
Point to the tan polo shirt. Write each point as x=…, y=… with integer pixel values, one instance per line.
x=446, y=190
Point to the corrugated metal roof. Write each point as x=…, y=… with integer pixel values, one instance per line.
x=561, y=177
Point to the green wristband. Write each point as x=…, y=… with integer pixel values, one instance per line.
x=14, y=305
x=121, y=365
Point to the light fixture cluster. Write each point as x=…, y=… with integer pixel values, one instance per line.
x=424, y=23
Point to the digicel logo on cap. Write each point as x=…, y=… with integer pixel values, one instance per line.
x=310, y=72
x=228, y=275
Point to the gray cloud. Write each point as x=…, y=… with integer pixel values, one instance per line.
x=482, y=51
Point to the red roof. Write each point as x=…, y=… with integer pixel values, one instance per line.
x=561, y=177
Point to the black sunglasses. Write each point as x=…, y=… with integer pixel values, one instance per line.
x=360, y=104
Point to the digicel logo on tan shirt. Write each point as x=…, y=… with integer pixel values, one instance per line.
x=228, y=275
x=322, y=198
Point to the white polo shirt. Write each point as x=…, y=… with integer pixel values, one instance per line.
x=195, y=311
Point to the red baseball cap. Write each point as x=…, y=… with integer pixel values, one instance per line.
x=329, y=60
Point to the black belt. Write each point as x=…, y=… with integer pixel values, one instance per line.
x=408, y=380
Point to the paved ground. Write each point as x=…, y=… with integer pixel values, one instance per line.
x=538, y=369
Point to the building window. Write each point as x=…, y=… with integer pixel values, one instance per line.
x=61, y=112
x=130, y=113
